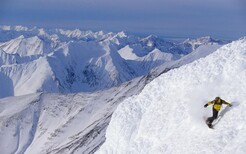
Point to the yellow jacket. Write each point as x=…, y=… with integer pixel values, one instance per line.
x=218, y=103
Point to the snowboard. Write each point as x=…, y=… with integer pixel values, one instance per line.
x=208, y=124
x=215, y=122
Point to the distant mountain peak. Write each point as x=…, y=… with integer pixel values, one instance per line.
x=122, y=34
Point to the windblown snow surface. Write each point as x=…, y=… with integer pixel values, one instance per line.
x=168, y=115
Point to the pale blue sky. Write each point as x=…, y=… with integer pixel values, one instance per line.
x=177, y=18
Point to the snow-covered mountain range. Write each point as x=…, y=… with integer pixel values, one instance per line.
x=57, y=60
x=158, y=87
x=71, y=123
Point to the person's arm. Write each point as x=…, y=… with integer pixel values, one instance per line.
x=209, y=103
x=226, y=103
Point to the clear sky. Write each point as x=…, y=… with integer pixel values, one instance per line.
x=175, y=18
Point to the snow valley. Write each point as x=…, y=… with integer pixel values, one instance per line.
x=60, y=88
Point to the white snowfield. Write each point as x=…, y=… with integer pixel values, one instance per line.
x=167, y=117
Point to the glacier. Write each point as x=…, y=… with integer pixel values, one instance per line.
x=168, y=115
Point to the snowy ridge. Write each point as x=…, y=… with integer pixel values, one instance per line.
x=55, y=123
x=168, y=115
x=80, y=61
x=25, y=46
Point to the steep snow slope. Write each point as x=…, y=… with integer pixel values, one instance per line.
x=60, y=124
x=168, y=115
x=32, y=77
x=127, y=53
x=26, y=46
x=6, y=58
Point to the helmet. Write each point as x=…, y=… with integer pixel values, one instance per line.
x=217, y=98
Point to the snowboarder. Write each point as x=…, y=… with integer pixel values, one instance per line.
x=217, y=103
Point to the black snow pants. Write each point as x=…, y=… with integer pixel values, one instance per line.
x=215, y=115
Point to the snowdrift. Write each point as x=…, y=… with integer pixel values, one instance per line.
x=168, y=115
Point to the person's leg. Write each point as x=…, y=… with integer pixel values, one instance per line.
x=210, y=120
x=215, y=115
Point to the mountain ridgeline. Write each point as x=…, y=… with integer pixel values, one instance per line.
x=67, y=61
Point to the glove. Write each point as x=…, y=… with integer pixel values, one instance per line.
x=205, y=105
